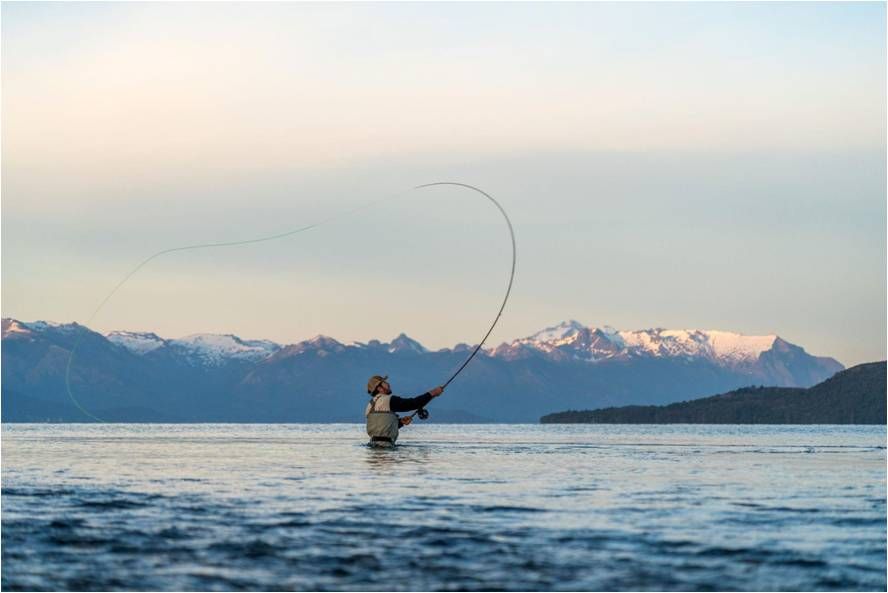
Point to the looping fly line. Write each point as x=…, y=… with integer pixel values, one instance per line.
x=309, y=227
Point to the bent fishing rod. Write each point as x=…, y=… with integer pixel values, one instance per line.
x=422, y=412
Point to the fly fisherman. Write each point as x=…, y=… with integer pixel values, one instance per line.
x=382, y=422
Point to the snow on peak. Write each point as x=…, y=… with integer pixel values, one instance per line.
x=563, y=331
x=21, y=329
x=214, y=349
x=13, y=327
x=568, y=340
x=712, y=344
x=320, y=345
x=41, y=326
x=323, y=344
x=403, y=343
x=572, y=340
x=731, y=345
x=136, y=342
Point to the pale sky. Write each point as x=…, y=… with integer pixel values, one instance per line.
x=700, y=165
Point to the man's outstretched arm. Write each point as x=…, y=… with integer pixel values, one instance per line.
x=407, y=404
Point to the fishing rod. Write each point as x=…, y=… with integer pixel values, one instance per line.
x=422, y=412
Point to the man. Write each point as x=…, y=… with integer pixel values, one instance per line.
x=382, y=422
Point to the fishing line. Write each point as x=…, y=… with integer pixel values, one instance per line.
x=154, y=256
x=315, y=225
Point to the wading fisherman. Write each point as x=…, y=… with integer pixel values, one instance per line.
x=382, y=422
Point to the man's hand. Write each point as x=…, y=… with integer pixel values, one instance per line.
x=436, y=391
x=405, y=420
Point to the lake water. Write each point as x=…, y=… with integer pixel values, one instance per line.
x=581, y=507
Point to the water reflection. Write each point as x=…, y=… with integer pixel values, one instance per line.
x=394, y=458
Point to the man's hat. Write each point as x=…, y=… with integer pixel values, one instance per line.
x=374, y=383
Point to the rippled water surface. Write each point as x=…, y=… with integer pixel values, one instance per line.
x=453, y=507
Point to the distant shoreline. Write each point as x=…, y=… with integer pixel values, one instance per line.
x=855, y=396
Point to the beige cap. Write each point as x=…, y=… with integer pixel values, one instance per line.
x=374, y=382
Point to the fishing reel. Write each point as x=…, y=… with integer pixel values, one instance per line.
x=422, y=413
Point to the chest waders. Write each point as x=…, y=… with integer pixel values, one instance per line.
x=382, y=423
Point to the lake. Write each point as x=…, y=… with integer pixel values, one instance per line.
x=453, y=507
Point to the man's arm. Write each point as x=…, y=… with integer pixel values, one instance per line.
x=406, y=404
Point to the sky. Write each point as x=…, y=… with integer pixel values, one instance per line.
x=697, y=165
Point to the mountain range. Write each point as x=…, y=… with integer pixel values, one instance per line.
x=140, y=376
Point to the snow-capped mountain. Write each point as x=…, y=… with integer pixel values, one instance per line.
x=29, y=329
x=140, y=376
x=320, y=345
x=13, y=326
x=215, y=349
x=137, y=342
x=572, y=340
x=404, y=343
x=203, y=349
